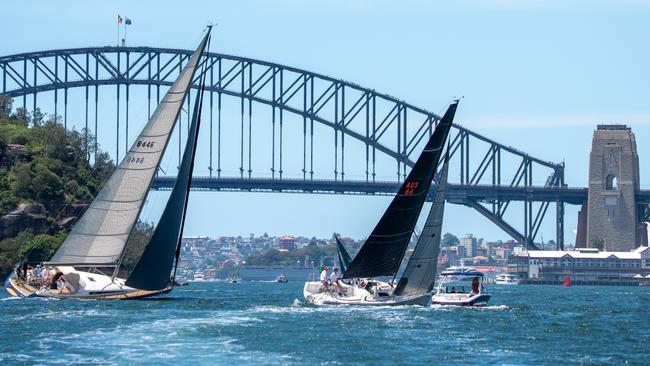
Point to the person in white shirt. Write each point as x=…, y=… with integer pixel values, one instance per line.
x=323, y=276
x=334, y=279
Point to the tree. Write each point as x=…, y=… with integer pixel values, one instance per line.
x=598, y=243
x=23, y=115
x=38, y=117
x=41, y=247
x=449, y=239
x=5, y=106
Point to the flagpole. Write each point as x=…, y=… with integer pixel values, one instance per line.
x=125, y=40
x=118, y=30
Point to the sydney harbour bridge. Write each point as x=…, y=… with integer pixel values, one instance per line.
x=315, y=129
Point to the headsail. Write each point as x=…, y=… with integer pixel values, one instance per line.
x=100, y=235
x=420, y=273
x=384, y=249
x=154, y=266
x=344, y=257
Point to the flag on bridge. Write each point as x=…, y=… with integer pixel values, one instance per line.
x=119, y=19
x=127, y=21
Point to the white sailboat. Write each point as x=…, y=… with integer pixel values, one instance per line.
x=87, y=264
x=383, y=252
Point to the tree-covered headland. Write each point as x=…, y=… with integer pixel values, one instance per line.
x=47, y=175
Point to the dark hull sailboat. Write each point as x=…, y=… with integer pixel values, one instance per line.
x=383, y=252
x=81, y=268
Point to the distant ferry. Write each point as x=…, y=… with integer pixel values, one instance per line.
x=506, y=279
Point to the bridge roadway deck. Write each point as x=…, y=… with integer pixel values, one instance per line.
x=456, y=193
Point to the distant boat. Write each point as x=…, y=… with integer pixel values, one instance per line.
x=461, y=286
x=567, y=281
x=87, y=264
x=281, y=278
x=382, y=253
x=506, y=279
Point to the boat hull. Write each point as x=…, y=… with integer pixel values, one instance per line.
x=473, y=300
x=351, y=295
x=16, y=287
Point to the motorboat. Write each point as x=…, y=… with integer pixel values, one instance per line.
x=506, y=279
x=461, y=286
x=89, y=263
x=363, y=280
x=281, y=278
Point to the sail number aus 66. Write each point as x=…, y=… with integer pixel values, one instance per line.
x=411, y=187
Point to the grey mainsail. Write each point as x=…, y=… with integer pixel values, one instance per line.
x=420, y=273
x=100, y=235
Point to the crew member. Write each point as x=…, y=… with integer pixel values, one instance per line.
x=334, y=279
x=323, y=277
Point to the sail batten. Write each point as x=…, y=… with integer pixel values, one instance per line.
x=383, y=251
x=102, y=232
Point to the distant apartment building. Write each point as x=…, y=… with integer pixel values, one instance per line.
x=468, y=246
x=585, y=266
x=287, y=242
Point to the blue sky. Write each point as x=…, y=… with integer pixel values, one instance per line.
x=536, y=75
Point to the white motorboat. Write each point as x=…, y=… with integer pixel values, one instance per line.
x=382, y=253
x=506, y=279
x=461, y=286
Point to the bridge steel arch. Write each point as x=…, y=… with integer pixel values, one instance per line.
x=382, y=123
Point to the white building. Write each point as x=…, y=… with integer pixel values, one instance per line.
x=470, y=245
x=583, y=266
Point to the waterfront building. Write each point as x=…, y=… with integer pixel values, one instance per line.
x=585, y=266
x=470, y=245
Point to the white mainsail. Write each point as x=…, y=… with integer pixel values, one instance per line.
x=100, y=235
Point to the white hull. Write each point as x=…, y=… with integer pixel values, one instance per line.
x=81, y=285
x=505, y=283
x=352, y=295
x=480, y=299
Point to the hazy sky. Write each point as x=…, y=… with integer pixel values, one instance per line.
x=536, y=75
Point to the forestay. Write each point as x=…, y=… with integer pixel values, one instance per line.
x=100, y=235
x=384, y=249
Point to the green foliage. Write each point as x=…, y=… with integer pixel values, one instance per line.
x=138, y=240
x=41, y=247
x=449, y=239
x=598, y=243
x=9, y=249
x=43, y=163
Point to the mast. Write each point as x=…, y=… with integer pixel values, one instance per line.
x=382, y=253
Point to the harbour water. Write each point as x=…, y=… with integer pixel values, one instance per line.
x=263, y=323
